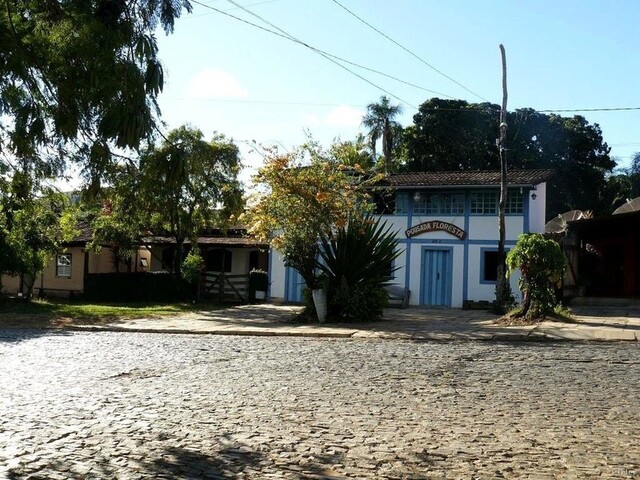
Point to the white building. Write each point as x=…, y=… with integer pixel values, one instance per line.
x=447, y=226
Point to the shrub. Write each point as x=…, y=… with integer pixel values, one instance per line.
x=191, y=268
x=357, y=263
x=542, y=265
x=362, y=303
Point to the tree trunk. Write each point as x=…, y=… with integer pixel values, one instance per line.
x=501, y=281
x=526, y=305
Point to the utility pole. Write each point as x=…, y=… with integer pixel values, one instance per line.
x=501, y=282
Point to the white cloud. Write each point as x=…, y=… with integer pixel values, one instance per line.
x=215, y=83
x=344, y=116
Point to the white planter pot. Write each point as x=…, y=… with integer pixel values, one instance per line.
x=320, y=302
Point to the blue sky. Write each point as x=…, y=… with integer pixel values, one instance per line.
x=236, y=79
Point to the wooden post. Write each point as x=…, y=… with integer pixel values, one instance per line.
x=501, y=283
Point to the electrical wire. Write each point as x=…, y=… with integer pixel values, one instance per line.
x=575, y=110
x=318, y=51
x=409, y=51
x=332, y=58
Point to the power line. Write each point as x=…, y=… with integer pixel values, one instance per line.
x=573, y=110
x=319, y=52
x=409, y=51
x=328, y=56
x=462, y=110
x=235, y=8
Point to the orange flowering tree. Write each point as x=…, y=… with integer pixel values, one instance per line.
x=303, y=195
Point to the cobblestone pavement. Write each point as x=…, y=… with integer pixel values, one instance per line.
x=139, y=405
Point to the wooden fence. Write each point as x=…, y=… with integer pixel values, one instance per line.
x=225, y=287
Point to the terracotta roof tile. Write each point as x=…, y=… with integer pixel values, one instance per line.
x=465, y=178
x=212, y=240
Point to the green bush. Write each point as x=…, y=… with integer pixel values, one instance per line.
x=542, y=265
x=362, y=303
x=191, y=268
x=356, y=261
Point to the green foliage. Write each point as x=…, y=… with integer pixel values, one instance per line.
x=80, y=76
x=181, y=187
x=357, y=261
x=542, y=265
x=191, y=267
x=379, y=119
x=32, y=230
x=622, y=185
x=362, y=303
x=304, y=194
x=457, y=135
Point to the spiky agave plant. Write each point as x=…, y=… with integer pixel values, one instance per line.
x=356, y=260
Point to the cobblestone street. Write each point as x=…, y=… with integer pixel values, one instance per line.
x=133, y=405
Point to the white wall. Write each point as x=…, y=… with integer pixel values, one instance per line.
x=537, y=209
x=276, y=276
x=486, y=227
x=397, y=223
x=481, y=228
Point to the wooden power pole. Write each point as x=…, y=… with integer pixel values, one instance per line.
x=501, y=282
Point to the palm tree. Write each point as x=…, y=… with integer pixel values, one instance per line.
x=379, y=119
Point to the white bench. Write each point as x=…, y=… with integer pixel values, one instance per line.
x=398, y=296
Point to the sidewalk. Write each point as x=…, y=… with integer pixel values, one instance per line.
x=611, y=324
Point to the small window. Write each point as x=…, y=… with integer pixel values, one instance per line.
x=489, y=266
x=484, y=203
x=402, y=203
x=514, y=202
x=420, y=203
x=444, y=204
x=63, y=265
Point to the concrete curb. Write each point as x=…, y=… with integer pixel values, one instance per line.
x=532, y=336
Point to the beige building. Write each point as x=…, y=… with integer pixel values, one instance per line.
x=66, y=273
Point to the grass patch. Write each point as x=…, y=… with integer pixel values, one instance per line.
x=58, y=313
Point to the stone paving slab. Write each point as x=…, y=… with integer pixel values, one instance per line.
x=407, y=324
x=84, y=405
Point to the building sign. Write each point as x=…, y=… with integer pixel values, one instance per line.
x=436, y=225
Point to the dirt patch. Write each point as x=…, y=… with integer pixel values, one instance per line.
x=511, y=319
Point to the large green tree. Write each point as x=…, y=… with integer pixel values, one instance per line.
x=181, y=187
x=78, y=78
x=33, y=225
x=456, y=135
x=623, y=184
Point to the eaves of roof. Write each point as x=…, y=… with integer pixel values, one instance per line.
x=462, y=179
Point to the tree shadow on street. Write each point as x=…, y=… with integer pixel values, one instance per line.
x=230, y=460
x=16, y=335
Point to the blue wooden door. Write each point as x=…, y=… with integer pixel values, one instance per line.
x=294, y=285
x=436, y=277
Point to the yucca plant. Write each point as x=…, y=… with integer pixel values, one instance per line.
x=356, y=260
